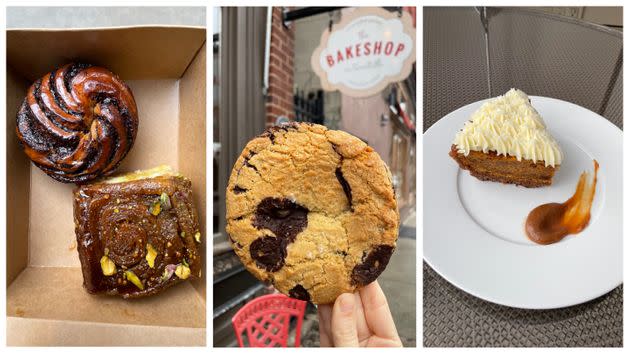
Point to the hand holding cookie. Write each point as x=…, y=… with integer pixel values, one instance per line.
x=312, y=211
x=361, y=319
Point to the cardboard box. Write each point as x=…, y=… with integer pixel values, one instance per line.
x=46, y=303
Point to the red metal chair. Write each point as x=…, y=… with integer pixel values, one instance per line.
x=266, y=321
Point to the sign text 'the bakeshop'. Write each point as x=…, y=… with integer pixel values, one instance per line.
x=365, y=51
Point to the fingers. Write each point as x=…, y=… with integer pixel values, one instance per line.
x=343, y=323
x=363, y=330
x=324, y=314
x=377, y=313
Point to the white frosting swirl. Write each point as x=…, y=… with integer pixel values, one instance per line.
x=509, y=125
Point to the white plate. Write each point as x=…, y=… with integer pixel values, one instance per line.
x=474, y=231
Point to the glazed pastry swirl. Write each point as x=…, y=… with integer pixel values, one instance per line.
x=136, y=237
x=78, y=122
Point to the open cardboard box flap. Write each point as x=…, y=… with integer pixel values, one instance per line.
x=46, y=303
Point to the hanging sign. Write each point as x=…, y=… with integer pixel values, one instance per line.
x=368, y=49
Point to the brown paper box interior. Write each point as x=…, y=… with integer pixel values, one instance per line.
x=165, y=68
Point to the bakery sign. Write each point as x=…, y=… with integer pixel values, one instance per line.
x=368, y=49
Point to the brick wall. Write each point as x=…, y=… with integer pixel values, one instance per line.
x=280, y=101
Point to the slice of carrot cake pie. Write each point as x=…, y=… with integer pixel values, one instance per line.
x=506, y=140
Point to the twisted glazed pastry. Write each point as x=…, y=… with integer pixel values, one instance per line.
x=78, y=122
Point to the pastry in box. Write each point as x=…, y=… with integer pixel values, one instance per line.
x=137, y=234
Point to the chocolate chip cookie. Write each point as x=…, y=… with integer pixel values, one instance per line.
x=312, y=211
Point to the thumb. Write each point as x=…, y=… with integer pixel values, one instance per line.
x=343, y=323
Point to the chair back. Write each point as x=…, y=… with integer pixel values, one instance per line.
x=266, y=321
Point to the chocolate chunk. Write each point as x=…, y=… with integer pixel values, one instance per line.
x=239, y=190
x=342, y=253
x=269, y=252
x=344, y=185
x=334, y=146
x=283, y=217
x=246, y=163
x=234, y=242
x=271, y=131
x=371, y=266
x=298, y=292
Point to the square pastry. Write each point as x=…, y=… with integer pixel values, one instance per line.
x=137, y=234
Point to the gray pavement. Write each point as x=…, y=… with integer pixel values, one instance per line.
x=399, y=284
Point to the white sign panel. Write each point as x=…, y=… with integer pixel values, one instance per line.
x=367, y=50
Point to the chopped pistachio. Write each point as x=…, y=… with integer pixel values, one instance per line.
x=134, y=279
x=182, y=271
x=116, y=210
x=185, y=263
x=183, y=234
x=166, y=274
x=198, y=237
x=108, y=266
x=155, y=209
x=165, y=201
x=151, y=254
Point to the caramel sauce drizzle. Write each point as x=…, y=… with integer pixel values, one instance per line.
x=551, y=222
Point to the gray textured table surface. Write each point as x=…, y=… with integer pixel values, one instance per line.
x=453, y=318
x=81, y=17
x=544, y=55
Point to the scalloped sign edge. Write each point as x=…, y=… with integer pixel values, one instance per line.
x=407, y=34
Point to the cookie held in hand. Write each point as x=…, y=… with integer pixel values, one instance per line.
x=312, y=211
x=77, y=123
x=137, y=234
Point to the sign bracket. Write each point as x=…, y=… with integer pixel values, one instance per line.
x=289, y=16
